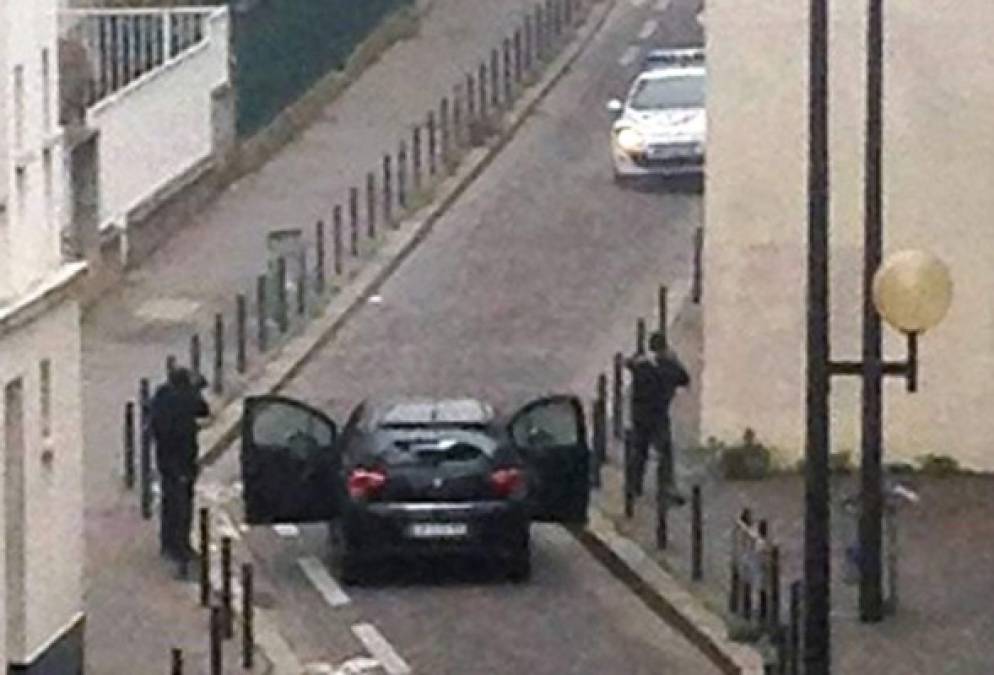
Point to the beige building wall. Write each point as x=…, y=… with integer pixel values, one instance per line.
x=939, y=196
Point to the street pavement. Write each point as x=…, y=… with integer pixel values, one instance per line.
x=536, y=263
x=525, y=271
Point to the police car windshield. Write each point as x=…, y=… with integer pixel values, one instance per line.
x=662, y=93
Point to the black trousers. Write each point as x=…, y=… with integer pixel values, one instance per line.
x=176, y=516
x=659, y=437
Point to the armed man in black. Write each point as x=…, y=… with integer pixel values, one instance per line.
x=654, y=383
x=175, y=410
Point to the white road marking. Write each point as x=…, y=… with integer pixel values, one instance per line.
x=375, y=299
x=326, y=585
x=380, y=649
x=638, y=3
x=286, y=530
x=629, y=56
x=662, y=5
x=648, y=28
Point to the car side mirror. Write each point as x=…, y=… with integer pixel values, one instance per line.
x=615, y=106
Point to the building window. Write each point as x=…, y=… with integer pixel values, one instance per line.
x=18, y=107
x=46, y=91
x=45, y=394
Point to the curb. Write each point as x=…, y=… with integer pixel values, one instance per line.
x=216, y=438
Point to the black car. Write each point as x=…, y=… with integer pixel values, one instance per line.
x=417, y=476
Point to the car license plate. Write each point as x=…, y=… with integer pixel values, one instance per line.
x=437, y=530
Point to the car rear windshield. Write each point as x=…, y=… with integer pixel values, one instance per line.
x=425, y=445
x=660, y=93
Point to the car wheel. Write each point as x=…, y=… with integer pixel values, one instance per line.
x=519, y=567
x=621, y=180
x=343, y=559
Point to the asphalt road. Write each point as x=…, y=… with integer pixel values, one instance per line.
x=534, y=265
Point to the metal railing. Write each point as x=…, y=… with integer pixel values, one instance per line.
x=122, y=45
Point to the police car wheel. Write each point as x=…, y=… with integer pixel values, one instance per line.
x=342, y=558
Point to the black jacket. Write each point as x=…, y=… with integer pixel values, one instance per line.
x=654, y=383
x=174, y=413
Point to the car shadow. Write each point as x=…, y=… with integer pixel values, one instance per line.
x=668, y=185
x=433, y=571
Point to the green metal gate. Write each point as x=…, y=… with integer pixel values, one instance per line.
x=283, y=47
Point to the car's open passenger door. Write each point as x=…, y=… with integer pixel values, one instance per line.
x=551, y=435
x=290, y=462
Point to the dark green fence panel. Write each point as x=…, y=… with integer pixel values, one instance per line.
x=282, y=47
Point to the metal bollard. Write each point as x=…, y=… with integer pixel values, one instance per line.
x=506, y=54
x=518, y=64
x=336, y=239
x=416, y=156
x=539, y=34
x=629, y=487
x=170, y=364
x=282, y=312
x=241, y=320
x=481, y=80
x=764, y=596
x=218, y=384
x=177, y=662
x=195, y=351
x=354, y=221
x=319, y=271
x=402, y=175
x=371, y=205
x=600, y=432
x=457, y=136
x=557, y=6
x=205, y=557
x=696, y=535
x=145, y=449
x=226, y=595
x=388, y=191
x=794, y=630
x=443, y=125
x=129, y=445
x=747, y=583
x=495, y=79
x=774, y=591
x=432, y=143
x=529, y=41
x=640, y=335
x=662, y=503
x=470, y=97
x=618, y=407
x=568, y=13
x=262, y=318
x=663, y=312
x=248, y=623
x=302, y=284
x=216, y=641
x=698, y=280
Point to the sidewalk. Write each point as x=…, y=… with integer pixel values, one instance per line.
x=136, y=609
x=946, y=543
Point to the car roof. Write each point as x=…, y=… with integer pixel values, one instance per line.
x=431, y=412
x=676, y=71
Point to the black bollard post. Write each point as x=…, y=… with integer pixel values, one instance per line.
x=371, y=205
x=217, y=641
x=388, y=191
x=262, y=318
x=696, y=535
x=602, y=432
x=495, y=79
x=794, y=630
x=506, y=55
x=282, y=310
x=402, y=175
x=336, y=239
x=539, y=34
x=177, y=662
x=129, y=445
x=443, y=126
x=302, y=284
x=774, y=591
x=662, y=503
x=529, y=41
x=354, y=221
x=248, y=618
x=698, y=281
x=432, y=143
x=195, y=354
x=170, y=364
x=663, y=312
x=764, y=597
x=618, y=407
x=628, y=474
x=218, y=384
x=470, y=97
x=640, y=335
x=416, y=156
x=481, y=79
x=241, y=321
x=568, y=13
x=226, y=595
x=205, y=557
x=747, y=582
x=145, y=449
x=518, y=64
x=457, y=136
x=319, y=271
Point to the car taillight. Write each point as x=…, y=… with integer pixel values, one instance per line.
x=364, y=483
x=507, y=482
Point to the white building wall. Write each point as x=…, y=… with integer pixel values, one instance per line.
x=938, y=173
x=174, y=103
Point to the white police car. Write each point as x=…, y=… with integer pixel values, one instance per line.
x=661, y=127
